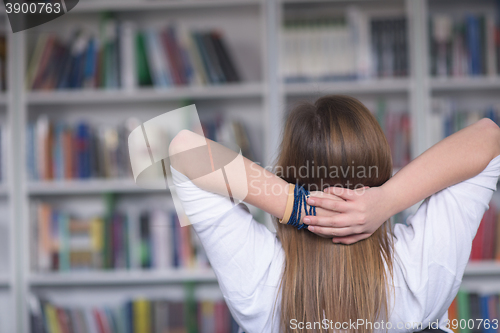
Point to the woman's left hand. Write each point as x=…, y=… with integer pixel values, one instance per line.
x=359, y=214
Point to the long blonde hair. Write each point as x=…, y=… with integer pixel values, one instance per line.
x=322, y=280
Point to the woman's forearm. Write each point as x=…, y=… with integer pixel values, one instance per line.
x=456, y=158
x=198, y=158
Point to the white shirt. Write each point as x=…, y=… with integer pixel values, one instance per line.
x=431, y=252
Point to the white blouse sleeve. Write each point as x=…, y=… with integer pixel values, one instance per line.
x=245, y=256
x=434, y=247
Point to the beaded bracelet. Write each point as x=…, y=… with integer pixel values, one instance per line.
x=300, y=195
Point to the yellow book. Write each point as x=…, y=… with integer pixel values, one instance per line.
x=97, y=241
x=51, y=315
x=142, y=316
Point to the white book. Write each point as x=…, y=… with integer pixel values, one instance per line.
x=440, y=110
x=156, y=59
x=42, y=131
x=161, y=234
x=90, y=320
x=360, y=37
x=128, y=63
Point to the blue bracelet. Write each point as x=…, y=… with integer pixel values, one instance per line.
x=300, y=195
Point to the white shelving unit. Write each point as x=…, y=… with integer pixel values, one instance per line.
x=261, y=100
x=227, y=91
x=120, y=278
x=92, y=186
x=350, y=87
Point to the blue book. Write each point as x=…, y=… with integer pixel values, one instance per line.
x=156, y=59
x=175, y=240
x=83, y=150
x=31, y=152
x=484, y=313
x=64, y=248
x=473, y=44
x=209, y=69
x=111, y=319
x=129, y=314
x=490, y=113
x=58, y=159
x=90, y=62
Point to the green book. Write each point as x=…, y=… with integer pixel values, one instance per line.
x=463, y=309
x=64, y=261
x=190, y=315
x=109, y=200
x=143, y=72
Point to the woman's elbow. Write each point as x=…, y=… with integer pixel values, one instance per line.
x=185, y=140
x=491, y=130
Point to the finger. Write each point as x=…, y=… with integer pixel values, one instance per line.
x=325, y=195
x=341, y=192
x=336, y=221
x=347, y=240
x=329, y=204
x=332, y=232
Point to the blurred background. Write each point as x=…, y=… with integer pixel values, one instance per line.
x=83, y=249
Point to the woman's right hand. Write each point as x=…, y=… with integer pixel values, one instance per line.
x=359, y=213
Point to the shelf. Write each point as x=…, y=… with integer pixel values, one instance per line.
x=4, y=281
x=117, y=5
x=90, y=186
x=120, y=278
x=482, y=268
x=4, y=191
x=466, y=83
x=348, y=87
x=226, y=91
x=3, y=99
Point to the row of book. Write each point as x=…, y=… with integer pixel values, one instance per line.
x=139, y=315
x=350, y=47
x=465, y=46
x=474, y=313
x=486, y=243
x=449, y=116
x=126, y=57
x=151, y=239
x=397, y=129
x=3, y=62
x=57, y=150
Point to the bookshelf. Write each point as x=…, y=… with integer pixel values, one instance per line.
x=121, y=278
x=229, y=91
x=260, y=100
x=93, y=186
x=391, y=86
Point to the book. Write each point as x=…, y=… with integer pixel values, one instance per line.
x=125, y=56
x=115, y=240
x=135, y=315
x=347, y=47
x=465, y=45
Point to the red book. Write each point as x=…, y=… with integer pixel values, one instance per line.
x=63, y=319
x=489, y=233
x=221, y=317
x=453, y=315
x=173, y=64
x=44, y=61
x=102, y=323
x=477, y=243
